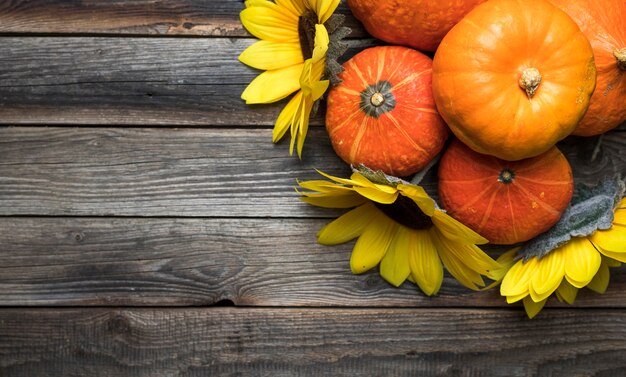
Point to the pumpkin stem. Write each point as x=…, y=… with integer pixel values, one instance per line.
x=377, y=99
x=620, y=55
x=530, y=80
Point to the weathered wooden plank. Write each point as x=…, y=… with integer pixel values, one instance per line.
x=130, y=81
x=190, y=172
x=133, y=17
x=318, y=342
x=250, y=262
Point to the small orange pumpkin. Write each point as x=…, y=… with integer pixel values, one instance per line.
x=604, y=23
x=504, y=201
x=513, y=77
x=383, y=114
x=420, y=24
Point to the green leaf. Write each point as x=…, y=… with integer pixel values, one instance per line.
x=592, y=208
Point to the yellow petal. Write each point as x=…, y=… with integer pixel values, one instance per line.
x=620, y=217
x=455, y=266
x=517, y=279
x=533, y=307
x=324, y=8
x=566, y=292
x=286, y=117
x=268, y=55
x=506, y=261
x=324, y=186
x=394, y=267
x=613, y=239
x=621, y=257
x=420, y=197
x=271, y=86
x=300, y=126
x=372, y=245
x=296, y=7
x=426, y=267
x=515, y=298
x=548, y=275
x=600, y=282
x=347, y=226
x=377, y=195
x=347, y=200
x=320, y=45
x=582, y=261
x=265, y=21
x=456, y=231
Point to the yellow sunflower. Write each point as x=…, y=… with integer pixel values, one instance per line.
x=292, y=51
x=581, y=262
x=399, y=226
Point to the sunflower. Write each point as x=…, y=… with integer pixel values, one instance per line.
x=581, y=262
x=292, y=51
x=399, y=226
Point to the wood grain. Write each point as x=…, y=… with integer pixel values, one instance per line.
x=219, y=172
x=214, y=18
x=131, y=81
x=249, y=262
x=311, y=342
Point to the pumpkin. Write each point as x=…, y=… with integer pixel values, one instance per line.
x=604, y=24
x=504, y=201
x=383, y=115
x=420, y=24
x=513, y=77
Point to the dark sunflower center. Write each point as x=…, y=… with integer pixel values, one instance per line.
x=405, y=212
x=506, y=176
x=306, y=32
x=378, y=99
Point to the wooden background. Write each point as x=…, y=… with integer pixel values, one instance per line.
x=149, y=227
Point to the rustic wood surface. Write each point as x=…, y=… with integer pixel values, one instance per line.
x=139, y=196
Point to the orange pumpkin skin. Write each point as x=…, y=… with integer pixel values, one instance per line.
x=604, y=24
x=505, y=201
x=420, y=24
x=481, y=63
x=401, y=135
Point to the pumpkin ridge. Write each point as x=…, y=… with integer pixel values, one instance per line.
x=541, y=182
x=357, y=140
x=402, y=131
x=381, y=64
x=346, y=122
x=537, y=200
x=386, y=158
x=357, y=70
x=484, y=29
x=490, y=205
x=410, y=78
x=348, y=91
x=513, y=222
x=478, y=197
x=462, y=181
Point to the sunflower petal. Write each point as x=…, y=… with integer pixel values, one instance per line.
x=347, y=226
x=455, y=230
x=272, y=86
x=600, y=282
x=296, y=7
x=620, y=217
x=420, y=197
x=517, y=279
x=373, y=243
x=264, y=20
x=567, y=292
x=465, y=275
x=286, y=117
x=613, y=239
x=582, y=261
x=348, y=200
x=533, y=307
x=322, y=186
x=269, y=55
x=376, y=195
x=426, y=267
x=320, y=45
x=324, y=8
x=548, y=275
x=394, y=267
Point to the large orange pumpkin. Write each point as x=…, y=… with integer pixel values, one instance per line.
x=513, y=77
x=505, y=201
x=604, y=23
x=420, y=24
x=383, y=114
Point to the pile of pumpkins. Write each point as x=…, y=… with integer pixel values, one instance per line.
x=509, y=78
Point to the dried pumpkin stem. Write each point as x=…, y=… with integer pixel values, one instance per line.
x=620, y=55
x=377, y=99
x=530, y=80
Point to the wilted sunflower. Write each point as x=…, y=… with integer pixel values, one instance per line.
x=581, y=262
x=399, y=226
x=292, y=51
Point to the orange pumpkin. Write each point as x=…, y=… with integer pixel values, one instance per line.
x=383, y=114
x=604, y=23
x=513, y=77
x=505, y=201
x=420, y=24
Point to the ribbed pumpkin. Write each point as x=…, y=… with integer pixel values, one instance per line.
x=383, y=114
x=604, y=24
x=513, y=77
x=504, y=201
x=417, y=23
